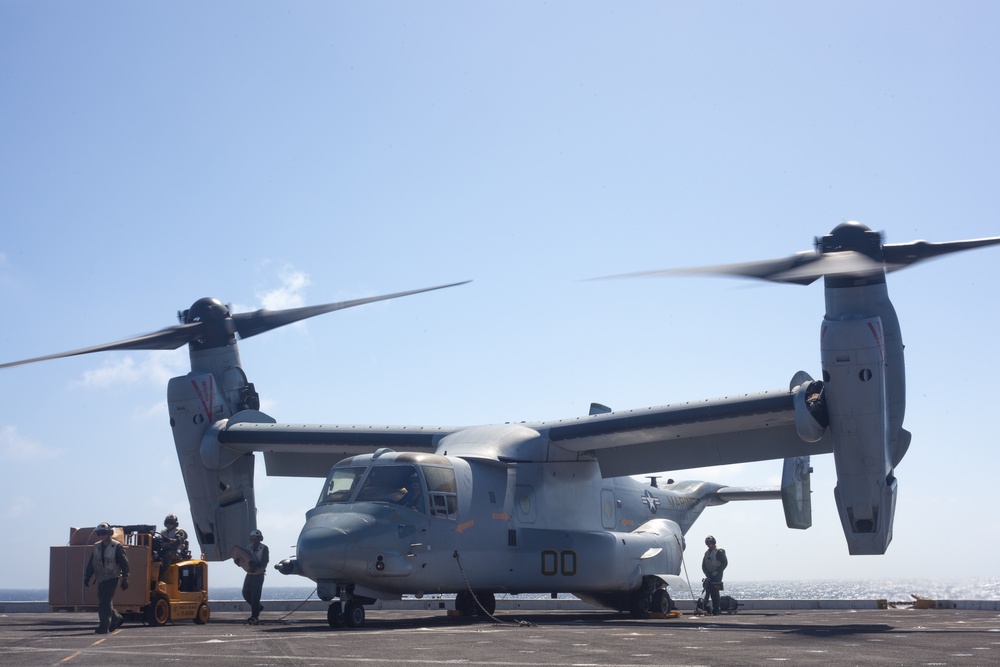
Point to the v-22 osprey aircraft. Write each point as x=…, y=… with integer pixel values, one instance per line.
x=548, y=507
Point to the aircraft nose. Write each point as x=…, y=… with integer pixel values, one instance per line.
x=322, y=547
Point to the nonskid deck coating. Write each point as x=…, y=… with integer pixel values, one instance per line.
x=903, y=636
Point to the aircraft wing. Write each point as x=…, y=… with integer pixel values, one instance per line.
x=309, y=450
x=733, y=429
x=721, y=431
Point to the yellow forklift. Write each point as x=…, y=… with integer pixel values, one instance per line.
x=180, y=593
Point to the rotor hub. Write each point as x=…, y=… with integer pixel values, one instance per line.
x=219, y=328
x=854, y=236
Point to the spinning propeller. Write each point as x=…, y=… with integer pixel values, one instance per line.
x=863, y=390
x=208, y=323
x=851, y=249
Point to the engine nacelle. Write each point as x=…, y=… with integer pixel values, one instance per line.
x=811, y=418
x=854, y=373
x=222, y=496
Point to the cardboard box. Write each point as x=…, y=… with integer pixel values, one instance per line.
x=68, y=564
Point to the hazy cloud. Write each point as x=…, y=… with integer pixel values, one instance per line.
x=16, y=447
x=157, y=410
x=290, y=294
x=154, y=368
x=19, y=507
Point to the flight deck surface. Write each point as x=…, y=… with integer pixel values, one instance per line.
x=904, y=636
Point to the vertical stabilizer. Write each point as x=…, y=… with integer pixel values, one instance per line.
x=796, y=493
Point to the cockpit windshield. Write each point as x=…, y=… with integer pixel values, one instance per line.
x=341, y=484
x=394, y=484
x=421, y=487
x=399, y=484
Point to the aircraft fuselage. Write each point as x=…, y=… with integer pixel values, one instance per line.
x=476, y=523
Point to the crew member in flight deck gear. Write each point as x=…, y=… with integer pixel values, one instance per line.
x=173, y=544
x=107, y=563
x=253, y=583
x=713, y=564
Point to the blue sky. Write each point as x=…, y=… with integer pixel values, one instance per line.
x=288, y=154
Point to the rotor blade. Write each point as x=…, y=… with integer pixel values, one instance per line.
x=840, y=263
x=801, y=264
x=901, y=255
x=762, y=269
x=170, y=338
x=259, y=321
x=802, y=268
x=836, y=255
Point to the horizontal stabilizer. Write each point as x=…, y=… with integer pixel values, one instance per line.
x=734, y=493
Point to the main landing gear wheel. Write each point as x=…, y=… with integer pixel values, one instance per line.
x=662, y=603
x=640, y=604
x=464, y=604
x=335, y=615
x=488, y=602
x=467, y=605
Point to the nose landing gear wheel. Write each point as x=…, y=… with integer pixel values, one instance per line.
x=335, y=615
x=354, y=614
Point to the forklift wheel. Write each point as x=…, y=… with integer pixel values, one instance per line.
x=201, y=616
x=158, y=611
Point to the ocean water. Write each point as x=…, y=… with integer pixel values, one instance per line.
x=900, y=590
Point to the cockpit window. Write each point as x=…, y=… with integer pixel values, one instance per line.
x=393, y=484
x=340, y=485
x=443, y=491
x=399, y=484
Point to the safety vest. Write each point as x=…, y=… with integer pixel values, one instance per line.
x=104, y=561
x=257, y=552
x=176, y=539
x=710, y=565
